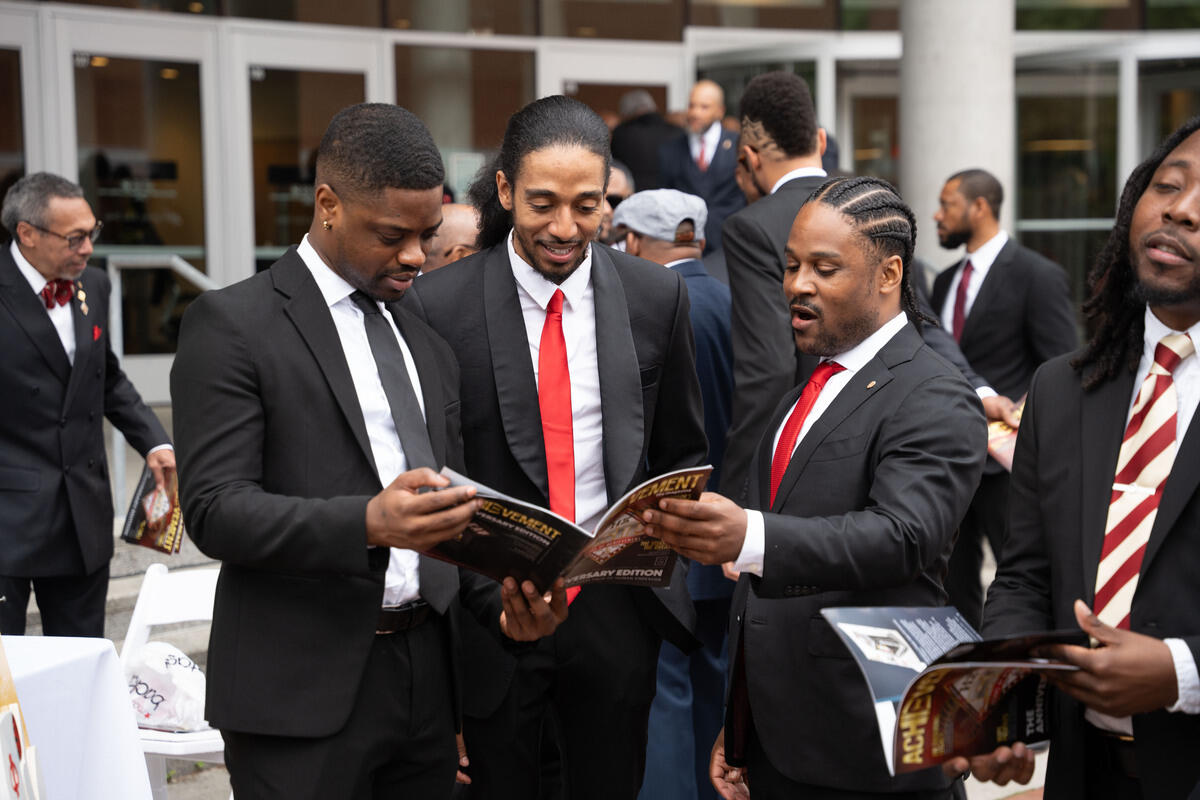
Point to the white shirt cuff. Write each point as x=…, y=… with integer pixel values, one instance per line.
x=1186, y=676
x=751, y=558
x=985, y=392
x=159, y=447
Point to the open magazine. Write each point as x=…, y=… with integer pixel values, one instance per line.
x=1002, y=439
x=19, y=774
x=508, y=537
x=155, y=518
x=940, y=691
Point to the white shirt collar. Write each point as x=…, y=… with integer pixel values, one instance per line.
x=334, y=287
x=982, y=259
x=857, y=357
x=541, y=290
x=37, y=281
x=799, y=172
x=1156, y=329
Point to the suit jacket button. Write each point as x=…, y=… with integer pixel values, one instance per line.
x=91, y=415
x=67, y=469
x=34, y=389
x=91, y=463
x=62, y=423
x=97, y=372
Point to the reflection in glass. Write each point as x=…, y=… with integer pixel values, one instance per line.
x=364, y=13
x=798, y=14
x=660, y=20
x=12, y=132
x=469, y=104
x=1171, y=88
x=141, y=167
x=483, y=17
x=1075, y=250
x=877, y=138
x=289, y=111
x=1067, y=148
x=1064, y=15
x=182, y=6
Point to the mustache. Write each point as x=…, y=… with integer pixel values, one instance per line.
x=1163, y=236
x=796, y=305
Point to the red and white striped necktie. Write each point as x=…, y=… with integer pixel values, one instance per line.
x=1147, y=453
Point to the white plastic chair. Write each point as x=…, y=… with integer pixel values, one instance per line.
x=166, y=598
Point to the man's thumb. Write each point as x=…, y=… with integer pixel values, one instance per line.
x=1092, y=626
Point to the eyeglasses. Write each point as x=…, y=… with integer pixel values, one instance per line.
x=614, y=200
x=75, y=240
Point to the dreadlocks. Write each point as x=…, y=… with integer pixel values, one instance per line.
x=884, y=220
x=1112, y=311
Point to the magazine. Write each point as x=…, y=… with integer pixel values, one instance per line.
x=1002, y=439
x=21, y=776
x=940, y=690
x=154, y=518
x=508, y=537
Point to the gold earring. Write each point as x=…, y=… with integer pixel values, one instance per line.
x=325, y=222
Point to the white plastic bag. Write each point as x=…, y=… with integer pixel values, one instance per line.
x=167, y=689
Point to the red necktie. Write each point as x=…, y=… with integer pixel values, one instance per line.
x=791, y=429
x=701, y=161
x=554, y=402
x=57, y=292
x=960, y=301
x=1143, y=465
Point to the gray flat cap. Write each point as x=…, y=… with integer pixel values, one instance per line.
x=658, y=213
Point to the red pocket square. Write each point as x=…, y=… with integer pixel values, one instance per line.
x=95, y=332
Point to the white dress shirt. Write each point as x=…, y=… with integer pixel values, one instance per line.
x=799, y=172
x=402, y=582
x=750, y=559
x=712, y=140
x=1187, y=392
x=579, y=333
x=981, y=261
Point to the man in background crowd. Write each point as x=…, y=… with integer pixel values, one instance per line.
x=642, y=133
x=455, y=239
x=620, y=186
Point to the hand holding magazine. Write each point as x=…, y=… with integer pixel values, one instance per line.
x=941, y=691
x=508, y=537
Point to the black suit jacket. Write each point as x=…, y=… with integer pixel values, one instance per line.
x=56, y=506
x=716, y=185
x=276, y=470
x=1059, y=495
x=635, y=143
x=650, y=398
x=865, y=516
x=764, y=352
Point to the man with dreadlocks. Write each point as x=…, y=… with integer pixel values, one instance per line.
x=1104, y=516
x=859, y=483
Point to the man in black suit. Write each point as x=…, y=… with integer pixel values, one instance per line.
x=858, y=485
x=310, y=426
x=1127, y=725
x=702, y=160
x=1012, y=312
x=664, y=226
x=578, y=382
x=636, y=142
x=59, y=379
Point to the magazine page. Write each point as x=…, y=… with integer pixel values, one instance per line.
x=619, y=552
x=155, y=518
x=507, y=537
x=20, y=775
x=939, y=690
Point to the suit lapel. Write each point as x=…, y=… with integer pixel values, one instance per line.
x=1102, y=413
x=30, y=314
x=83, y=344
x=428, y=372
x=512, y=369
x=307, y=310
x=620, y=379
x=988, y=290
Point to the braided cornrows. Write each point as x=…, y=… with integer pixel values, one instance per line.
x=884, y=220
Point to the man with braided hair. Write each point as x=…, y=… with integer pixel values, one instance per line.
x=858, y=485
x=1104, y=510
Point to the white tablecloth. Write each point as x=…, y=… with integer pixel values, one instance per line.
x=75, y=700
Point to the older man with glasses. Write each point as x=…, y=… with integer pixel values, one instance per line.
x=59, y=379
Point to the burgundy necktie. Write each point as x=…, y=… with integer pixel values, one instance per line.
x=1143, y=466
x=57, y=292
x=554, y=402
x=960, y=300
x=701, y=161
x=791, y=429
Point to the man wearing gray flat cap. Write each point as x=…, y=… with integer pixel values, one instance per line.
x=667, y=227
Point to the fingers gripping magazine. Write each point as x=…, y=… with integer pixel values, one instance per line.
x=940, y=691
x=508, y=537
x=155, y=518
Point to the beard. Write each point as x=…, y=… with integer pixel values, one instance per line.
x=1167, y=296
x=952, y=240
x=556, y=274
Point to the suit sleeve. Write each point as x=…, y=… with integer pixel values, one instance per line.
x=1051, y=314
x=677, y=437
x=123, y=406
x=929, y=458
x=764, y=352
x=941, y=342
x=1019, y=598
x=220, y=429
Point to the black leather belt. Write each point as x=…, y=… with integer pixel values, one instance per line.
x=1112, y=751
x=393, y=619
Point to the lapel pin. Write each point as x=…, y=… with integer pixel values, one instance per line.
x=725, y=145
x=871, y=385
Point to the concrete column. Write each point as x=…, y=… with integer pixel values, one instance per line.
x=957, y=104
